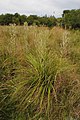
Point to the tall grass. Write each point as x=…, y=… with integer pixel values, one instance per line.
x=42, y=76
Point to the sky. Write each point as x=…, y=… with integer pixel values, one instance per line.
x=38, y=7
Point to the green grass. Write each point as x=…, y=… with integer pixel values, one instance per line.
x=39, y=73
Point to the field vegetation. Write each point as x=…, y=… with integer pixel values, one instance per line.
x=39, y=73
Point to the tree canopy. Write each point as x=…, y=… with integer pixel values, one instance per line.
x=32, y=19
x=71, y=18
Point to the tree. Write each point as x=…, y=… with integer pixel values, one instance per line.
x=71, y=18
x=59, y=22
x=6, y=19
x=23, y=19
x=31, y=19
x=51, y=21
x=2, y=19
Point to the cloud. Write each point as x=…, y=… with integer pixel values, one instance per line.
x=39, y=7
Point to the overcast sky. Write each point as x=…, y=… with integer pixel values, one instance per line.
x=38, y=7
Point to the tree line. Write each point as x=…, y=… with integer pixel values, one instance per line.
x=31, y=20
x=70, y=19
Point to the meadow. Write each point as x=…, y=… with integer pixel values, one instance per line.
x=39, y=73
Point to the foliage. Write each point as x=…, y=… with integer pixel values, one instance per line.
x=71, y=18
x=32, y=19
